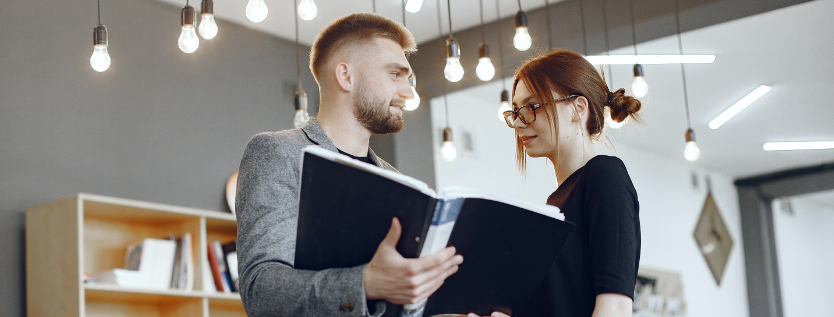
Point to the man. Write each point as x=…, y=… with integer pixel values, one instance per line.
x=359, y=62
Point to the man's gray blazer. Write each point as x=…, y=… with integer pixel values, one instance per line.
x=267, y=217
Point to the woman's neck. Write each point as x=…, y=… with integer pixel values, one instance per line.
x=570, y=160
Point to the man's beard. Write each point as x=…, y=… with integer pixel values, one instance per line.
x=372, y=111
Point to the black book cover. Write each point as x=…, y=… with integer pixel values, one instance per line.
x=344, y=213
x=506, y=250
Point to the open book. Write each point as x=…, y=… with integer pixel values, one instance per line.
x=345, y=211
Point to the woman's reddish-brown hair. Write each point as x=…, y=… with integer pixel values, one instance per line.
x=566, y=73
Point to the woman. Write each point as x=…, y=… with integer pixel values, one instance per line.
x=559, y=102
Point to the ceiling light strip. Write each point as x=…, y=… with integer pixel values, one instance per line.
x=791, y=146
x=650, y=59
x=733, y=110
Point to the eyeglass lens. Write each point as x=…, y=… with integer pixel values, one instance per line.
x=526, y=114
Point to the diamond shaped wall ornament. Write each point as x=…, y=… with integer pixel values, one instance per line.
x=713, y=238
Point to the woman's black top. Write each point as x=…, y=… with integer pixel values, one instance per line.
x=602, y=253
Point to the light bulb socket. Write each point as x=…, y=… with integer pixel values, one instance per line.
x=638, y=70
x=520, y=19
x=690, y=135
x=207, y=7
x=100, y=35
x=505, y=96
x=188, y=16
x=447, y=135
x=452, y=48
x=412, y=80
x=483, y=50
x=300, y=100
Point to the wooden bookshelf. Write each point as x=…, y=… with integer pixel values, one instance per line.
x=86, y=233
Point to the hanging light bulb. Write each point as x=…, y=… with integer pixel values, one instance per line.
x=453, y=70
x=691, y=152
x=412, y=104
x=504, y=106
x=208, y=27
x=522, y=40
x=301, y=115
x=188, y=41
x=609, y=120
x=307, y=10
x=256, y=10
x=413, y=6
x=485, y=70
x=639, y=87
x=448, y=152
x=100, y=61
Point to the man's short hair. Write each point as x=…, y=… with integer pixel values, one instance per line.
x=352, y=28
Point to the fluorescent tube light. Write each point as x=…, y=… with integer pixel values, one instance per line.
x=733, y=110
x=650, y=59
x=791, y=146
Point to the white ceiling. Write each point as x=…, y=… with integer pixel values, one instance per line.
x=788, y=49
x=281, y=20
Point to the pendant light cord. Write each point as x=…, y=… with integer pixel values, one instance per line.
x=549, y=36
x=297, y=54
x=683, y=70
x=582, y=17
x=633, y=31
x=373, y=5
x=99, y=12
x=607, y=47
x=440, y=32
x=519, y=5
x=500, y=44
x=449, y=9
x=404, y=11
x=483, y=33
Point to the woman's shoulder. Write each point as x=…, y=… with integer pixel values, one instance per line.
x=604, y=164
x=606, y=170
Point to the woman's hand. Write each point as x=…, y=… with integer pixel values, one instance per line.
x=612, y=305
x=494, y=314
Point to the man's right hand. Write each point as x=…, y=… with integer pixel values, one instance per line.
x=392, y=277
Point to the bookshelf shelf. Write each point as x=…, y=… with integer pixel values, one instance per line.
x=85, y=233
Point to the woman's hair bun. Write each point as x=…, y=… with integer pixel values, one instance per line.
x=623, y=106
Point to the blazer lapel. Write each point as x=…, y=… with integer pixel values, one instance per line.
x=316, y=135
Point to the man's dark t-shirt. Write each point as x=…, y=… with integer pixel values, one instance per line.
x=366, y=158
x=602, y=253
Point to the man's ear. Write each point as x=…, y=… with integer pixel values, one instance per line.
x=344, y=76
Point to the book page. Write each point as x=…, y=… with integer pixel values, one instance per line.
x=346, y=160
x=465, y=192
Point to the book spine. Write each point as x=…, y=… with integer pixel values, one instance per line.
x=175, y=273
x=187, y=277
x=429, y=215
x=230, y=254
x=215, y=268
x=221, y=264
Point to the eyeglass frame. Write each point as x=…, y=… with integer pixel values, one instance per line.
x=532, y=107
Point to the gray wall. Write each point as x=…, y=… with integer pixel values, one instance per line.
x=159, y=125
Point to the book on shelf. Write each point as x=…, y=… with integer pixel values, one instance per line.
x=183, y=275
x=230, y=254
x=345, y=211
x=220, y=269
x=156, y=264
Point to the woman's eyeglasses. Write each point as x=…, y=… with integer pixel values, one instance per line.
x=527, y=114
